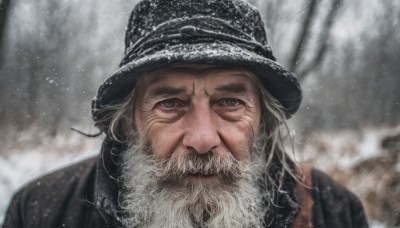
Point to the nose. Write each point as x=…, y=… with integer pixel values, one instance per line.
x=201, y=132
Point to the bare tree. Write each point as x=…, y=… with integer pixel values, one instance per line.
x=303, y=34
x=296, y=63
x=324, y=38
x=4, y=8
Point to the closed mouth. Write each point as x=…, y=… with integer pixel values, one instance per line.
x=203, y=175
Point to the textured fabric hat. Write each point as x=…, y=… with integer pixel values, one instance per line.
x=162, y=33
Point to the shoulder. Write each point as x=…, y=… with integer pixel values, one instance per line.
x=60, y=182
x=335, y=205
x=53, y=197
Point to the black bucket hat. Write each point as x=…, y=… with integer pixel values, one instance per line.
x=162, y=33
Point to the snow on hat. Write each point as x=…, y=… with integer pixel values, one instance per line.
x=162, y=33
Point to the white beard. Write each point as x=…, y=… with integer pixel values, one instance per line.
x=159, y=194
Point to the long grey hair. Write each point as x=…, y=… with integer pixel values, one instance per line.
x=147, y=203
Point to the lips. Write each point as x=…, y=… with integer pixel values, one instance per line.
x=209, y=179
x=202, y=174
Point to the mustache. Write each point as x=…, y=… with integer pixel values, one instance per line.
x=192, y=163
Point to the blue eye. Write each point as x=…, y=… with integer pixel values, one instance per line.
x=231, y=102
x=169, y=104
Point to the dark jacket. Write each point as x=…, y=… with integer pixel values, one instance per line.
x=85, y=195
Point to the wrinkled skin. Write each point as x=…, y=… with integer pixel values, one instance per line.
x=198, y=108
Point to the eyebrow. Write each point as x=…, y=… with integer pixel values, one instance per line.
x=232, y=88
x=165, y=91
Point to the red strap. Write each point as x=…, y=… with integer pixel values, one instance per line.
x=304, y=189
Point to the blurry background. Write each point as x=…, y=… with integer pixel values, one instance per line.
x=55, y=54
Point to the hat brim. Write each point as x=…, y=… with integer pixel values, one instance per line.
x=281, y=83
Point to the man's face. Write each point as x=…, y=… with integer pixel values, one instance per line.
x=198, y=109
x=193, y=163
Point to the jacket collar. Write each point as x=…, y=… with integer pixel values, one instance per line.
x=107, y=184
x=282, y=213
x=285, y=206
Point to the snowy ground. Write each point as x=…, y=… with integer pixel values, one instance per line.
x=337, y=154
x=22, y=164
x=360, y=161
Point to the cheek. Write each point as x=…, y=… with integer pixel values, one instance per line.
x=238, y=137
x=165, y=139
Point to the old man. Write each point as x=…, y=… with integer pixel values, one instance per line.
x=192, y=120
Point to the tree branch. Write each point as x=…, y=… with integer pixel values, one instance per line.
x=4, y=8
x=324, y=42
x=303, y=37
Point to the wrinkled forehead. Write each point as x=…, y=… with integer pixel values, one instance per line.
x=206, y=72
